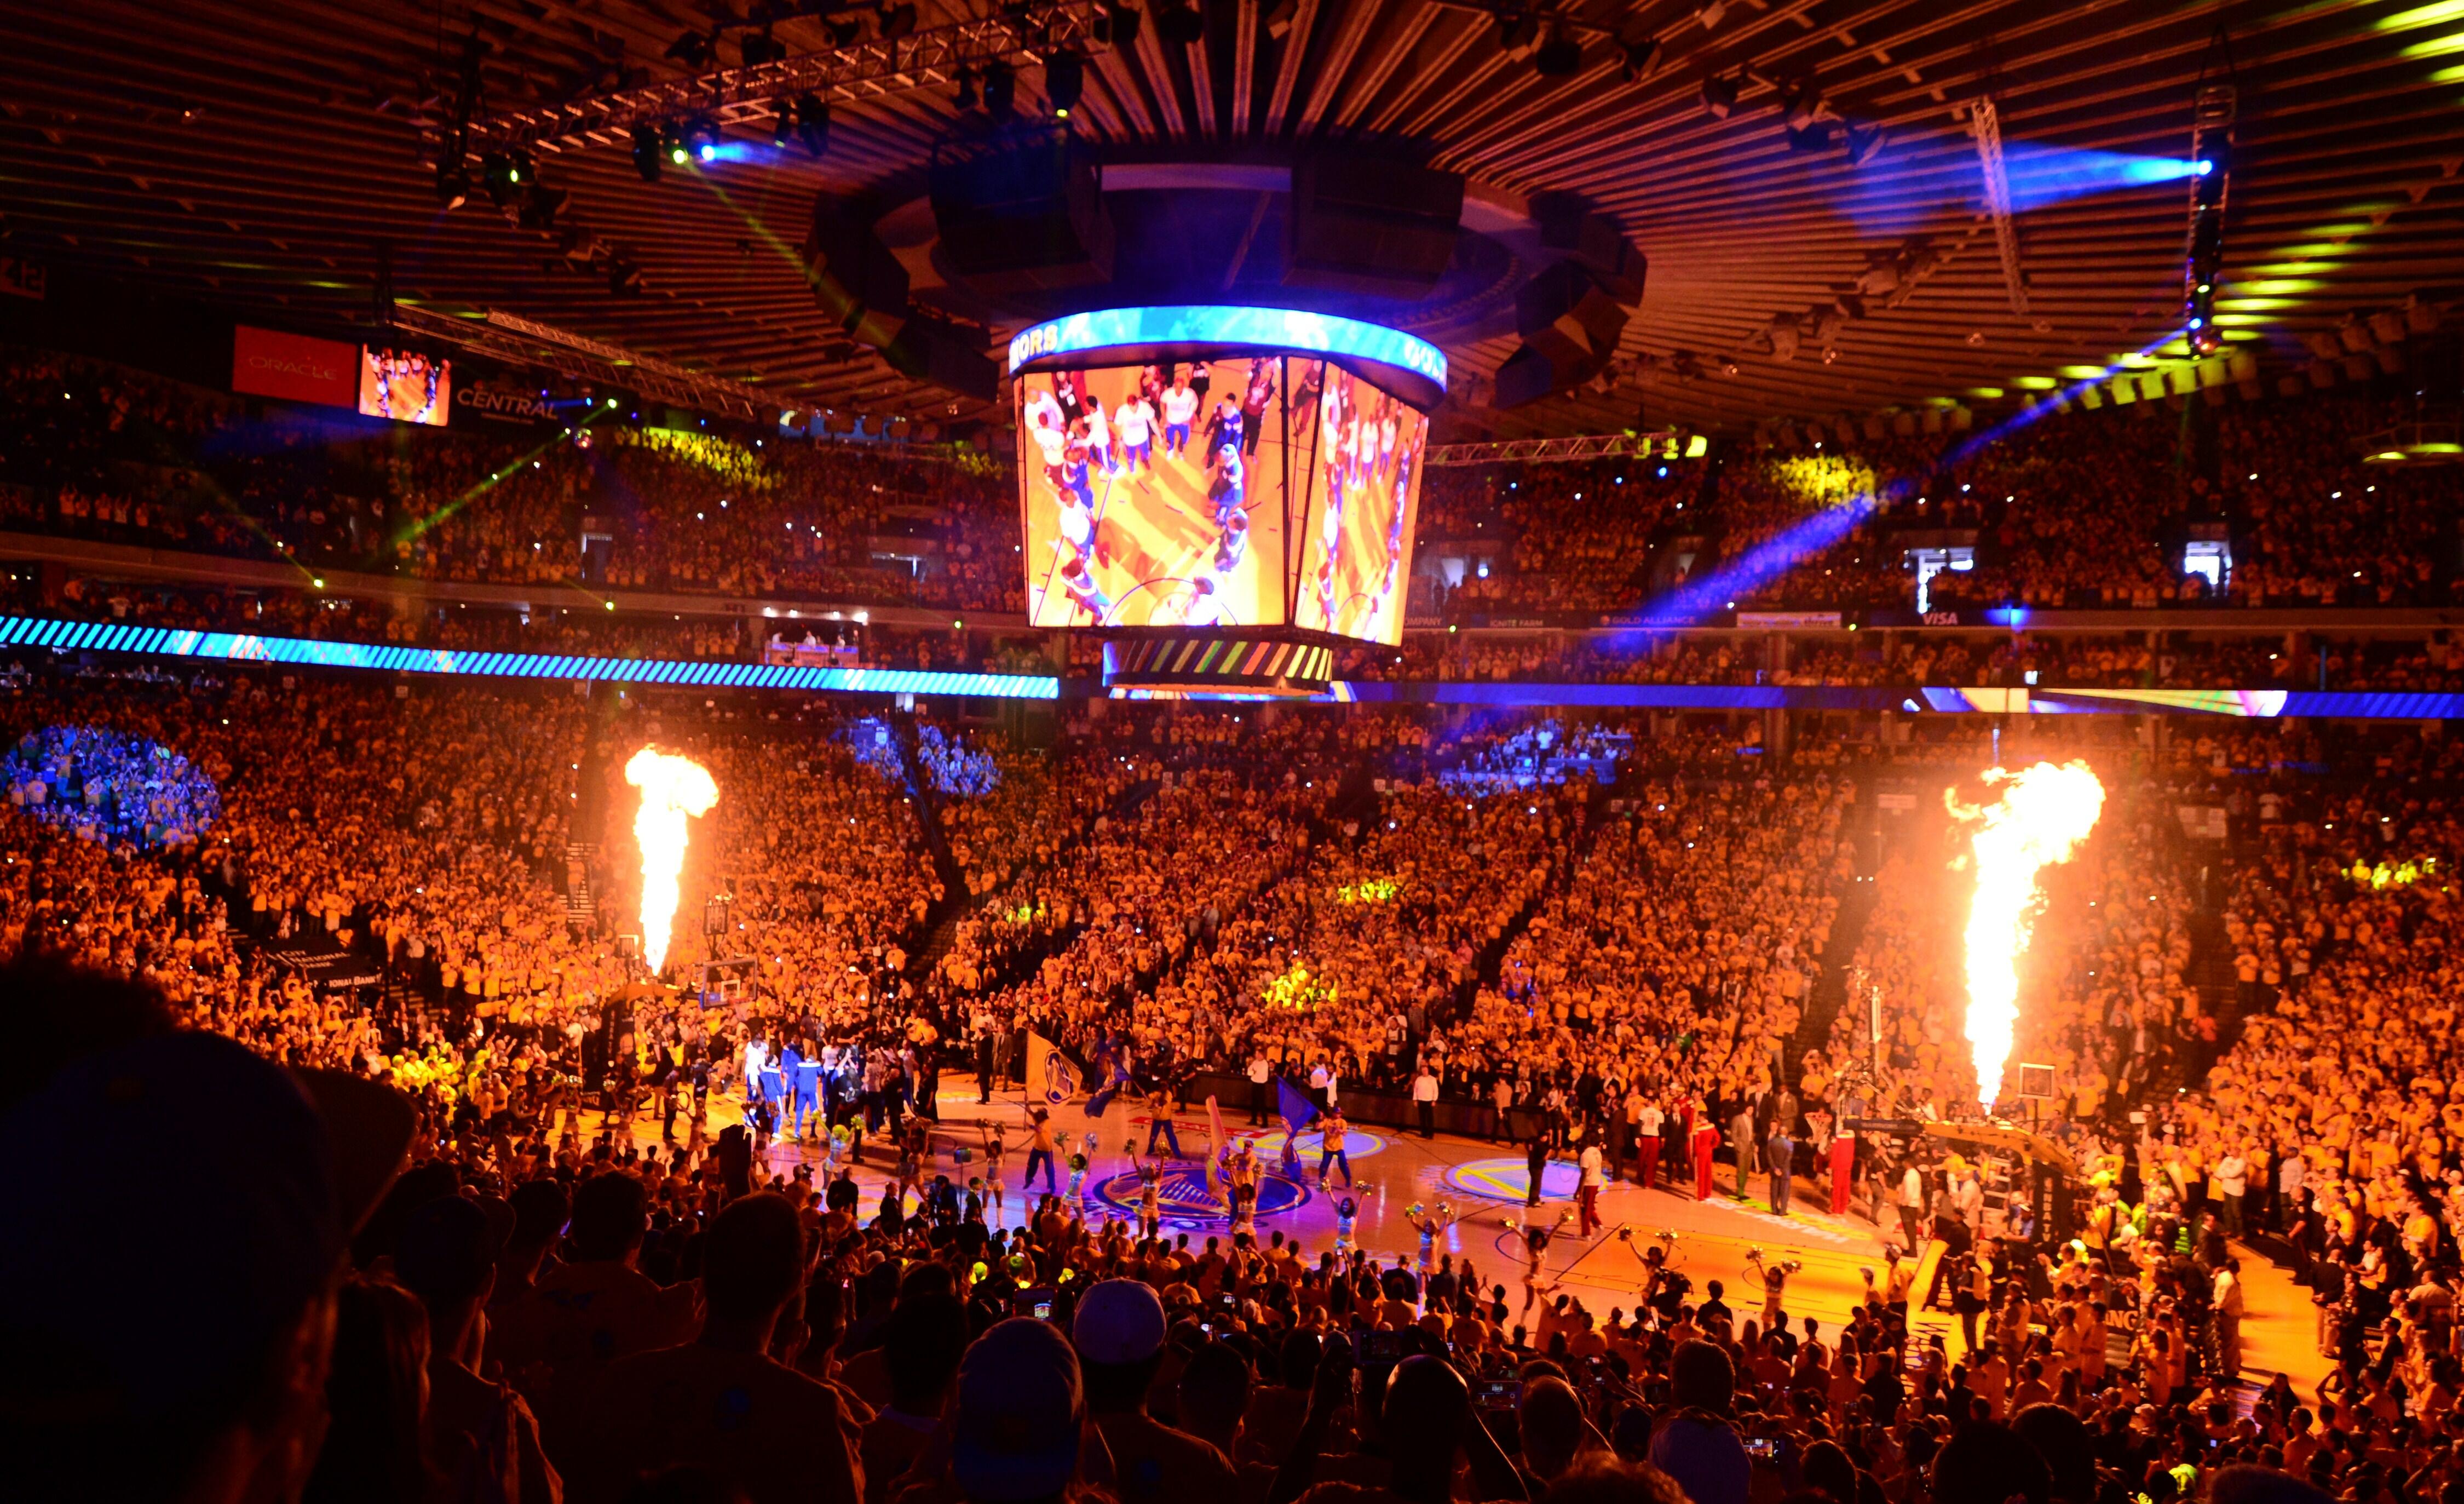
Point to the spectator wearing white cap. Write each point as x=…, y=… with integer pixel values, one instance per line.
x=1119, y=1331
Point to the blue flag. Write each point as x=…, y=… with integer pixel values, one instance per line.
x=1295, y=1106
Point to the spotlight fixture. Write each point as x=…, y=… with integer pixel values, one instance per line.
x=624, y=280
x=498, y=175
x=693, y=49
x=1800, y=101
x=1064, y=78
x=812, y=124
x=538, y=208
x=1115, y=25
x=701, y=137
x=1179, y=24
x=1560, y=57
x=783, y=127
x=648, y=149
x=1640, y=58
x=1815, y=136
x=675, y=148
x=1518, y=33
x=1000, y=91
x=843, y=32
x=1118, y=25
x=896, y=20
x=1864, y=144
x=966, y=98
x=760, y=47
x=453, y=183
x=1719, y=96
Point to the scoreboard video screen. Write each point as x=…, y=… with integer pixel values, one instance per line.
x=1153, y=494
x=1167, y=485
x=1363, y=501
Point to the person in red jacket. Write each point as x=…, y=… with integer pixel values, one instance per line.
x=1844, y=1169
x=1706, y=1138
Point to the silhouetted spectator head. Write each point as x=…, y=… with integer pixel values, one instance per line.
x=2244, y=1483
x=1549, y=1417
x=922, y=1346
x=177, y=1210
x=1701, y=1377
x=752, y=1259
x=611, y=1214
x=2062, y=1439
x=1986, y=1463
x=1015, y=1431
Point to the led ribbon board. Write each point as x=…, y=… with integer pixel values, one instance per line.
x=1412, y=368
x=67, y=636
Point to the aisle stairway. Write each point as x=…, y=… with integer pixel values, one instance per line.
x=1564, y=863
x=955, y=894
x=1861, y=828
x=580, y=904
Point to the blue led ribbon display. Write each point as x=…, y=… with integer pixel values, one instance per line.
x=248, y=648
x=72, y=636
x=1203, y=325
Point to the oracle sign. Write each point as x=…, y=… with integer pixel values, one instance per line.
x=266, y=364
x=513, y=404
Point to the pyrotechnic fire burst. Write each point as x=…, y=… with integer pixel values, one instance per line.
x=2044, y=813
x=672, y=787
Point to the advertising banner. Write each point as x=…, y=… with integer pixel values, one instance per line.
x=294, y=368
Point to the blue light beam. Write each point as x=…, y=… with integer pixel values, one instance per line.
x=1897, y=201
x=1785, y=549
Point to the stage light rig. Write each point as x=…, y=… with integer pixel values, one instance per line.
x=2211, y=162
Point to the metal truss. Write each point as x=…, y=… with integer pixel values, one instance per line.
x=1987, y=124
x=864, y=70
x=523, y=342
x=1663, y=443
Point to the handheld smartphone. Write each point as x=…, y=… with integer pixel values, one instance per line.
x=1497, y=1394
x=1763, y=1449
x=1039, y=1302
x=1376, y=1347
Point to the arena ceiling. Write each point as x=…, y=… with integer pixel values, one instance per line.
x=258, y=153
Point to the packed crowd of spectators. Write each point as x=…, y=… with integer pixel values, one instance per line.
x=2330, y=1117
x=2080, y=510
x=108, y=787
x=2087, y=510
x=105, y=453
x=1186, y=887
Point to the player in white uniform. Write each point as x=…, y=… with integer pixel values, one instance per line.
x=1179, y=410
x=1099, y=439
x=1049, y=437
x=1133, y=426
x=1040, y=403
x=1079, y=526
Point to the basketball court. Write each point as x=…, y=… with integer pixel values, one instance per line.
x=1479, y=1193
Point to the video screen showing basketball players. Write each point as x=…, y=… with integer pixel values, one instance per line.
x=1363, y=499
x=1153, y=495
x=404, y=386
